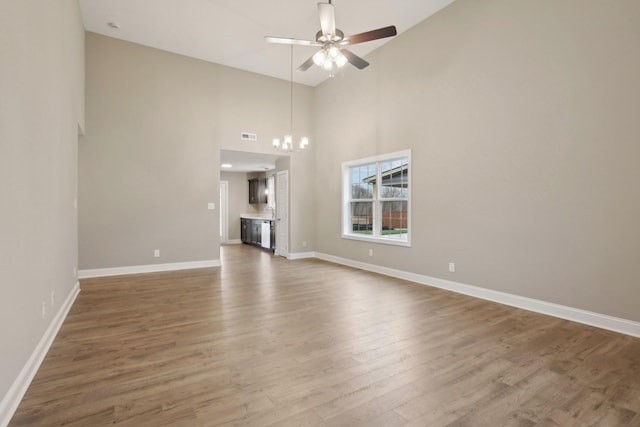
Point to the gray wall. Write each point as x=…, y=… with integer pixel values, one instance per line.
x=156, y=123
x=522, y=117
x=238, y=204
x=238, y=200
x=41, y=110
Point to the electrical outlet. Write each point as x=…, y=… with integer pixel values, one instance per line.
x=370, y=252
x=304, y=243
x=156, y=253
x=53, y=298
x=452, y=267
x=44, y=309
x=75, y=272
x=211, y=206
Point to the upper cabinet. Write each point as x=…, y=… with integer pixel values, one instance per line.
x=257, y=190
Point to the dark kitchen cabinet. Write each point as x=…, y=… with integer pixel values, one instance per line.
x=273, y=236
x=251, y=232
x=256, y=232
x=245, y=229
x=257, y=191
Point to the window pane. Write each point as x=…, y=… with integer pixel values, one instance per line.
x=363, y=180
x=362, y=217
x=395, y=220
x=376, y=199
x=395, y=182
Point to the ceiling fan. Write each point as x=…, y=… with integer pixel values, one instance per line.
x=332, y=41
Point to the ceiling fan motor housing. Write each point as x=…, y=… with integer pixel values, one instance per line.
x=329, y=38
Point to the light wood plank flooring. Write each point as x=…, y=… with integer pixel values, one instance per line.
x=264, y=341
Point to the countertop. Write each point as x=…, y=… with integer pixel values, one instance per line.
x=257, y=216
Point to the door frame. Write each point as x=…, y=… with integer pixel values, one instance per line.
x=224, y=211
x=282, y=214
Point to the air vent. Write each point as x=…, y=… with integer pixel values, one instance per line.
x=246, y=136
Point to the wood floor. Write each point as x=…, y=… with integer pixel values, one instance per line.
x=263, y=341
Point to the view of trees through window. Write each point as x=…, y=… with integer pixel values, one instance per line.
x=379, y=199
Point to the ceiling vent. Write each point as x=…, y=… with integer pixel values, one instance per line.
x=246, y=136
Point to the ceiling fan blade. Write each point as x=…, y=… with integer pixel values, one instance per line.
x=354, y=59
x=283, y=40
x=380, y=33
x=327, y=19
x=306, y=64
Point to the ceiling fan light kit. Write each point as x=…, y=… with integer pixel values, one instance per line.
x=328, y=57
x=332, y=54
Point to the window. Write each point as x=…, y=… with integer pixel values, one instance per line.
x=376, y=199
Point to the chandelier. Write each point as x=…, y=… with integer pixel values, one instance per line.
x=287, y=142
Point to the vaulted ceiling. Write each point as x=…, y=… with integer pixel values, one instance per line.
x=231, y=32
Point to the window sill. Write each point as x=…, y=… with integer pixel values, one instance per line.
x=374, y=239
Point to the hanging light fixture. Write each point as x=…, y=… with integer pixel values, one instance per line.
x=287, y=141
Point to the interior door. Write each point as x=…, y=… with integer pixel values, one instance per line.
x=282, y=213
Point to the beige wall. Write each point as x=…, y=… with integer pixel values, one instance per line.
x=41, y=110
x=522, y=118
x=303, y=203
x=156, y=123
x=238, y=200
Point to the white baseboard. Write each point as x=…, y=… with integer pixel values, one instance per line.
x=590, y=318
x=233, y=242
x=16, y=392
x=282, y=254
x=152, y=268
x=301, y=255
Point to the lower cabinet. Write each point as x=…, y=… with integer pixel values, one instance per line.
x=255, y=236
x=273, y=235
x=251, y=232
x=245, y=226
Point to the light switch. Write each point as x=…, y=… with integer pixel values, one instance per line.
x=211, y=206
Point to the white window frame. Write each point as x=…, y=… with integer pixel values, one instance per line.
x=347, y=226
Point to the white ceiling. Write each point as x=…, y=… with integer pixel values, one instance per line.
x=243, y=161
x=231, y=32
